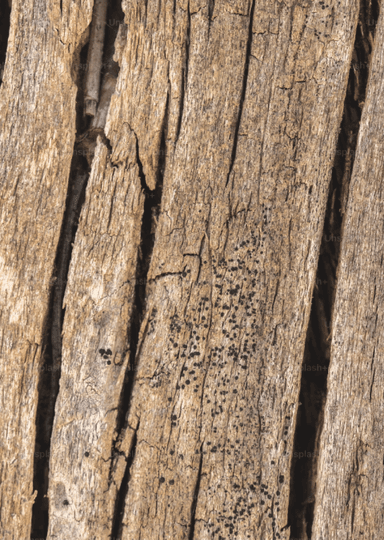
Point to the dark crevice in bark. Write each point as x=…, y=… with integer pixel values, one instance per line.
x=195, y=497
x=243, y=91
x=148, y=228
x=211, y=7
x=185, y=74
x=50, y=375
x=5, y=17
x=317, y=349
x=117, y=524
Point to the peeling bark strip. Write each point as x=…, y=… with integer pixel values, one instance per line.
x=350, y=485
x=36, y=140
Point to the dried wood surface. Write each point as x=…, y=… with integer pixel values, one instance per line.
x=229, y=112
x=241, y=98
x=350, y=487
x=37, y=114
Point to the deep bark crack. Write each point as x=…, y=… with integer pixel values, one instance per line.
x=5, y=20
x=185, y=75
x=148, y=228
x=117, y=523
x=195, y=497
x=243, y=91
x=317, y=350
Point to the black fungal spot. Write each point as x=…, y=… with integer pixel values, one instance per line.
x=86, y=454
x=65, y=502
x=161, y=479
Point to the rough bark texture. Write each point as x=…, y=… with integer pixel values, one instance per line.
x=351, y=468
x=37, y=112
x=182, y=336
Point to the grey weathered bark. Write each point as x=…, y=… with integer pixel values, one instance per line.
x=192, y=272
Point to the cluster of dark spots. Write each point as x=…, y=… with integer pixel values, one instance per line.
x=286, y=427
x=106, y=354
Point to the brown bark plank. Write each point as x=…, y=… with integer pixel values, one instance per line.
x=37, y=114
x=350, y=488
x=219, y=362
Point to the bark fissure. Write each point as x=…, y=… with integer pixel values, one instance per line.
x=5, y=16
x=313, y=390
x=185, y=74
x=195, y=497
x=117, y=523
x=243, y=91
x=50, y=375
x=148, y=228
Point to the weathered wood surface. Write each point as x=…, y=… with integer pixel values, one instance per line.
x=98, y=303
x=37, y=115
x=243, y=96
x=349, y=500
x=232, y=272
x=234, y=108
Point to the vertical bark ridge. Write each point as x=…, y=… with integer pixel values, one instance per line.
x=350, y=469
x=50, y=375
x=317, y=350
x=230, y=283
x=148, y=229
x=52, y=348
x=34, y=170
x=117, y=224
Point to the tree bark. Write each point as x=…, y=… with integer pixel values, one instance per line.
x=37, y=112
x=350, y=477
x=189, y=265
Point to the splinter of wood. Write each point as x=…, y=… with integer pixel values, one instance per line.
x=59, y=288
x=95, y=56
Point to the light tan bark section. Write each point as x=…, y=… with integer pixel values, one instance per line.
x=98, y=303
x=101, y=281
x=37, y=115
x=350, y=486
x=216, y=392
